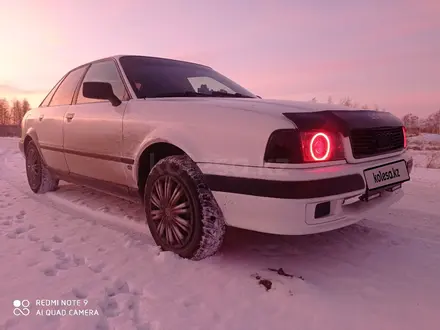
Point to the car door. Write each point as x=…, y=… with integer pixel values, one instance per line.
x=93, y=129
x=50, y=118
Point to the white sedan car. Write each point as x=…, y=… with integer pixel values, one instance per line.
x=202, y=152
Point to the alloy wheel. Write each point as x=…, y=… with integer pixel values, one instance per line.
x=172, y=211
x=33, y=168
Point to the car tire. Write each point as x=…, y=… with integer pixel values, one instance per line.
x=40, y=179
x=181, y=211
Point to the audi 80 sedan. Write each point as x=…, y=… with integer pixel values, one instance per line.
x=202, y=152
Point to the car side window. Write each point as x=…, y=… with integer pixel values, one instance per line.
x=105, y=71
x=47, y=99
x=64, y=93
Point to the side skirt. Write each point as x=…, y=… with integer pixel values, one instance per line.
x=110, y=188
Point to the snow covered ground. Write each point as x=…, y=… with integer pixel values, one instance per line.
x=382, y=273
x=426, y=150
x=426, y=137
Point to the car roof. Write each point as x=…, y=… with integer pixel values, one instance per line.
x=117, y=57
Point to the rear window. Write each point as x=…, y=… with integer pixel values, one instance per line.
x=64, y=93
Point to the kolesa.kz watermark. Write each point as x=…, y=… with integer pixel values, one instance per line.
x=45, y=307
x=389, y=175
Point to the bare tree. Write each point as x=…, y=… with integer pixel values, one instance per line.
x=435, y=118
x=411, y=123
x=16, y=112
x=4, y=112
x=25, y=107
x=347, y=101
x=330, y=100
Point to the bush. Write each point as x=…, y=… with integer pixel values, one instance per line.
x=433, y=160
x=432, y=148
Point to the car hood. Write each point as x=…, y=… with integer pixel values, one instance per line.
x=263, y=106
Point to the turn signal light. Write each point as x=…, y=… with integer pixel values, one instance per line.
x=405, y=140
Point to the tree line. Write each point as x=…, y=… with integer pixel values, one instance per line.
x=11, y=113
x=413, y=123
x=349, y=102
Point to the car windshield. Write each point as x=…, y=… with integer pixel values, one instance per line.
x=154, y=77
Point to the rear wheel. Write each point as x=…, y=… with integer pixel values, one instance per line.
x=181, y=211
x=40, y=179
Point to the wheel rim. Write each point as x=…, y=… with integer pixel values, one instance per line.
x=33, y=168
x=172, y=211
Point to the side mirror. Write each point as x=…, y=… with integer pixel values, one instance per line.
x=100, y=91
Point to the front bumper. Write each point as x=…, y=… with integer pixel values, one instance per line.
x=286, y=201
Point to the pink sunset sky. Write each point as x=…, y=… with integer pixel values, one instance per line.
x=385, y=52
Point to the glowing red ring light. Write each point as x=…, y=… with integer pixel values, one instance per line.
x=328, y=146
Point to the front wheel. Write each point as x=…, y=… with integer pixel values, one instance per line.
x=40, y=179
x=182, y=214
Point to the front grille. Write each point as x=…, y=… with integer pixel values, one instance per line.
x=376, y=141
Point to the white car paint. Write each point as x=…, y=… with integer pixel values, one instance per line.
x=224, y=137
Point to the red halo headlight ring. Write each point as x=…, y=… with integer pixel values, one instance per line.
x=320, y=147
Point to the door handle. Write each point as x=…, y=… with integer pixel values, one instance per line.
x=41, y=117
x=70, y=116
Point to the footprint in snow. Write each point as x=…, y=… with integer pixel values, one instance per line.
x=63, y=264
x=59, y=253
x=20, y=230
x=79, y=261
x=97, y=268
x=49, y=271
x=109, y=307
x=102, y=324
x=57, y=239
x=148, y=326
x=32, y=263
x=11, y=235
x=33, y=238
x=78, y=293
x=21, y=215
x=46, y=247
x=64, y=260
x=119, y=286
x=7, y=222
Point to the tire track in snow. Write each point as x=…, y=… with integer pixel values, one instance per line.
x=134, y=229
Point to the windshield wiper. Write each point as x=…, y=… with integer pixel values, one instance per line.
x=182, y=94
x=196, y=94
x=226, y=94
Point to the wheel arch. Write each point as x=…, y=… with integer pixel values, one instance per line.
x=150, y=155
x=31, y=135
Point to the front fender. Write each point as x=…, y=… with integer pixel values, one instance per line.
x=167, y=135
